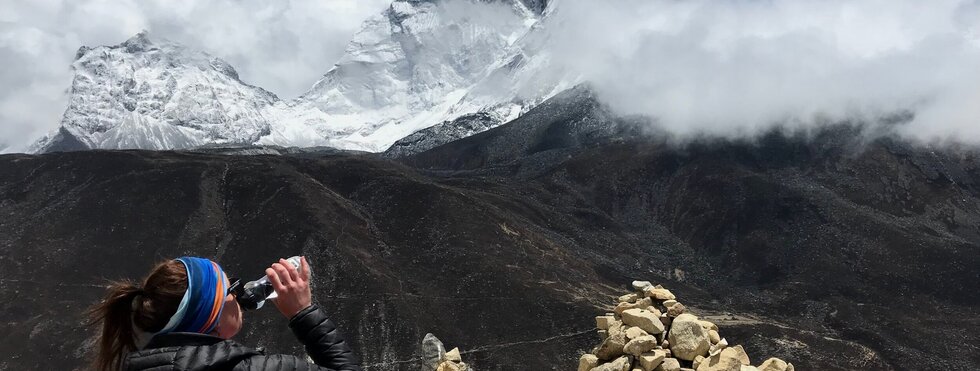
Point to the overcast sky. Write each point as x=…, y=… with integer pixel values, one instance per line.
x=740, y=66
x=721, y=67
x=283, y=46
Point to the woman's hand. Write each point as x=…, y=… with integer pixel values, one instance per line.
x=292, y=286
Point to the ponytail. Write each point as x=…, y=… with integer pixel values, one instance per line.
x=117, y=336
x=128, y=309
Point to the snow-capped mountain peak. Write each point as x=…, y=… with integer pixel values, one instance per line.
x=418, y=64
x=156, y=95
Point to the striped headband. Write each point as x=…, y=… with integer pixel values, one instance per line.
x=204, y=299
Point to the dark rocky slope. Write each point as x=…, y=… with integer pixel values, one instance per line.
x=834, y=253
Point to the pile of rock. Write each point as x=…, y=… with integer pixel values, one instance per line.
x=436, y=358
x=650, y=330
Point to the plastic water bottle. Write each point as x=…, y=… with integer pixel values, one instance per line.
x=255, y=293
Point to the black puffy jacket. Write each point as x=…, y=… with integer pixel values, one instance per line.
x=197, y=352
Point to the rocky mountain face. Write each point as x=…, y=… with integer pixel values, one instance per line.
x=823, y=249
x=417, y=64
x=156, y=95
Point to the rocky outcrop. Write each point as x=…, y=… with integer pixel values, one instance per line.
x=436, y=358
x=651, y=330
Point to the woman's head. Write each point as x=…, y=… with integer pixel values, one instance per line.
x=165, y=302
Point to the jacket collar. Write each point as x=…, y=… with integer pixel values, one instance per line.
x=173, y=339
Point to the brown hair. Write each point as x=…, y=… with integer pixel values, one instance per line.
x=126, y=305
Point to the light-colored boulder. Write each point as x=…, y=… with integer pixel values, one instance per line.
x=713, y=336
x=708, y=325
x=669, y=364
x=453, y=355
x=775, y=364
x=620, y=364
x=676, y=310
x=641, y=285
x=697, y=362
x=628, y=298
x=644, y=303
x=640, y=345
x=658, y=294
x=740, y=353
x=729, y=359
x=587, y=362
x=449, y=366
x=433, y=352
x=668, y=303
x=635, y=332
x=687, y=338
x=749, y=368
x=644, y=319
x=612, y=347
x=650, y=360
x=717, y=348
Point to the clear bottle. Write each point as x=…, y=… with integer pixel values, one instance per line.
x=255, y=293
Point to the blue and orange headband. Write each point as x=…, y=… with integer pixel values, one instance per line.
x=204, y=299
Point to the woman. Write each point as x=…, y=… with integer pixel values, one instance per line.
x=187, y=306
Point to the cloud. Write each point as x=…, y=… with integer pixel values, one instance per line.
x=737, y=67
x=283, y=46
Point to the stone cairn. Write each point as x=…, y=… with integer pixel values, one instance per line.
x=650, y=330
x=436, y=358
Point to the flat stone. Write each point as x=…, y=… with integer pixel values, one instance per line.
x=635, y=332
x=658, y=294
x=644, y=303
x=640, y=345
x=687, y=338
x=644, y=319
x=668, y=303
x=587, y=362
x=650, y=360
x=749, y=368
x=602, y=322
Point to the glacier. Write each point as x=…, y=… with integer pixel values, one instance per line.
x=418, y=65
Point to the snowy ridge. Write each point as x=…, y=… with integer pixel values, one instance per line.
x=157, y=95
x=417, y=64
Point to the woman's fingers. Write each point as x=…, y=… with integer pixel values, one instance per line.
x=304, y=269
x=293, y=271
x=283, y=274
x=273, y=277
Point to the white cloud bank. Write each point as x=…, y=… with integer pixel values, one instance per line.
x=735, y=67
